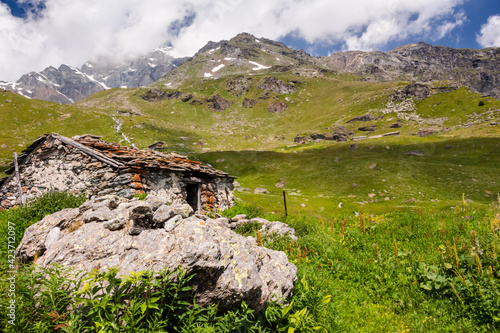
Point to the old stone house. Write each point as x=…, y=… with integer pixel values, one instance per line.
x=86, y=164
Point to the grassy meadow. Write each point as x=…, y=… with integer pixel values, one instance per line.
x=386, y=242
x=414, y=271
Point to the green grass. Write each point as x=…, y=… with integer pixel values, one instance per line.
x=325, y=173
x=411, y=282
x=415, y=271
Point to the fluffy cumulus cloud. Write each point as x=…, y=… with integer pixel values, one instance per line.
x=74, y=31
x=490, y=32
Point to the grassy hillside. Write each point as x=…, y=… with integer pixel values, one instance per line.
x=257, y=145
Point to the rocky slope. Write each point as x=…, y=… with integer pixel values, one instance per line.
x=244, y=54
x=68, y=84
x=479, y=70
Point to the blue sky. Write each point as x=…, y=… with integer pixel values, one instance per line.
x=35, y=34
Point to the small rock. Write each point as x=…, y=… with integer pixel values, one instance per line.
x=163, y=214
x=387, y=199
x=52, y=237
x=114, y=224
x=260, y=190
x=99, y=215
x=238, y=217
x=173, y=222
x=259, y=220
x=183, y=210
x=373, y=166
x=371, y=195
x=155, y=201
x=448, y=147
x=354, y=147
x=369, y=128
x=414, y=153
x=223, y=221
x=351, y=196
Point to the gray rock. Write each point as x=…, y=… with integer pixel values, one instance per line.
x=184, y=210
x=99, y=215
x=163, y=214
x=223, y=221
x=108, y=201
x=414, y=153
x=155, y=201
x=33, y=243
x=280, y=229
x=115, y=224
x=239, y=217
x=259, y=220
x=229, y=267
x=52, y=237
x=353, y=147
x=260, y=190
x=173, y=222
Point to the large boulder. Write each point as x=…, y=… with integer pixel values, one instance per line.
x=228, y=267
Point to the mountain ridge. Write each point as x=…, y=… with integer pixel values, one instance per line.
x=68, y=84
x=479, y=70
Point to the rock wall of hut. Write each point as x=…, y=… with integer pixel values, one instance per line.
x=215, y=193
x=55, y=166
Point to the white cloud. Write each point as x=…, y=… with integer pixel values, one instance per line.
x=74, y=31
x=490, y=32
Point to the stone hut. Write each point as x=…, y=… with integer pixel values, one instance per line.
x=86, y=164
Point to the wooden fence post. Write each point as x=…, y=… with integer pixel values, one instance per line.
x=284, y=200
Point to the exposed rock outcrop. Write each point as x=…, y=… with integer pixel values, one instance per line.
x=271, y=83
x=249, y=103
x=417, y=91
x=479, y=70
x=154, y=95
x=141, y=235
x=218, y=104
x=369, y=128
x=276, y=107
x=238, y=85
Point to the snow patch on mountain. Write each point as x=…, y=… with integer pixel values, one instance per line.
x=259, y=66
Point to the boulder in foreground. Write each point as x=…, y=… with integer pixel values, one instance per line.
x=138, y=235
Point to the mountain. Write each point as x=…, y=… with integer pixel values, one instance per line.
x=244, y=54
x=68, y=84
x=134, y=72
x=339, y=141
x=478, y=70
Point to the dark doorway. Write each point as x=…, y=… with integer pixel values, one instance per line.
x=192, y=195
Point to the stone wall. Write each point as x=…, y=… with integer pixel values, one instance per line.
x=215, y=193
x=58, y=167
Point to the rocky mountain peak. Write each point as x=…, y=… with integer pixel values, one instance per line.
x=479, y=70
x=68, y=84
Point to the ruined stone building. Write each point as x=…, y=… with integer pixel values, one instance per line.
x=86, y=164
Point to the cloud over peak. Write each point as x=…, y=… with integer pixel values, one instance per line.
x=74, y=31
x=490, y=32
